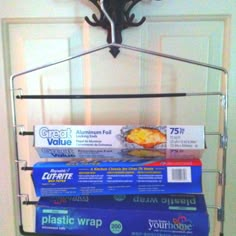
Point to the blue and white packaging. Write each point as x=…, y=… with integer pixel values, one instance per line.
x=117, y=176
x=123, y=215
x=98, y=141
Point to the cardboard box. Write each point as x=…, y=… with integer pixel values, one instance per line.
x=124, y=215
x=119, y=141
x=117, y=176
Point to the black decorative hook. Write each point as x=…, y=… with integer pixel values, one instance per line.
x=119, y=11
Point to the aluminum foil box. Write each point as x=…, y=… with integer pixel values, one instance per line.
x=127, y=215
x=117, y=176
x=119, y=141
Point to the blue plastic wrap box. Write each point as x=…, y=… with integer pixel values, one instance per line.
x=123, y=215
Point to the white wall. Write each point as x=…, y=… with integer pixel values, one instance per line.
x=6, y=197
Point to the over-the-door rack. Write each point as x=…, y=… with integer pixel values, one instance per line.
x=18, y=129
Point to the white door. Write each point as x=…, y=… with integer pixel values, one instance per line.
x=38, y=41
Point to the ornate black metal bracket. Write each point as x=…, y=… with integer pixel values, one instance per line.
x=119, y=11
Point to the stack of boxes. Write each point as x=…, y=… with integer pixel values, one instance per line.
x=122, y=180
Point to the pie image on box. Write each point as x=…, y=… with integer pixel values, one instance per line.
x=146, y=137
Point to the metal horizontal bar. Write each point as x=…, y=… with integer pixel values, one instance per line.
x=27, y=168
x=100, y=96
x=30, y=203
x=211, y=171
x=115, y=96
x=213, y=207
x=213, y=133
x=36, y=202
x=24, y=133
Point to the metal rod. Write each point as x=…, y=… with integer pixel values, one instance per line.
x=98, y=96
x=36, y=202
x=150, y=52
x=213, y=207
x=210, y=171
x=116, y=96
x=55, y=63
x=24, y=133
x=224, y=157
x=113, y=37
x=30, y=203
x=121, y=46
x=213, y=133
x=32, y=133
x=29, y=168
x=18, y=186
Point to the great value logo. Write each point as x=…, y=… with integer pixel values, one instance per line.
x=177, y=224
x=56, y=137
